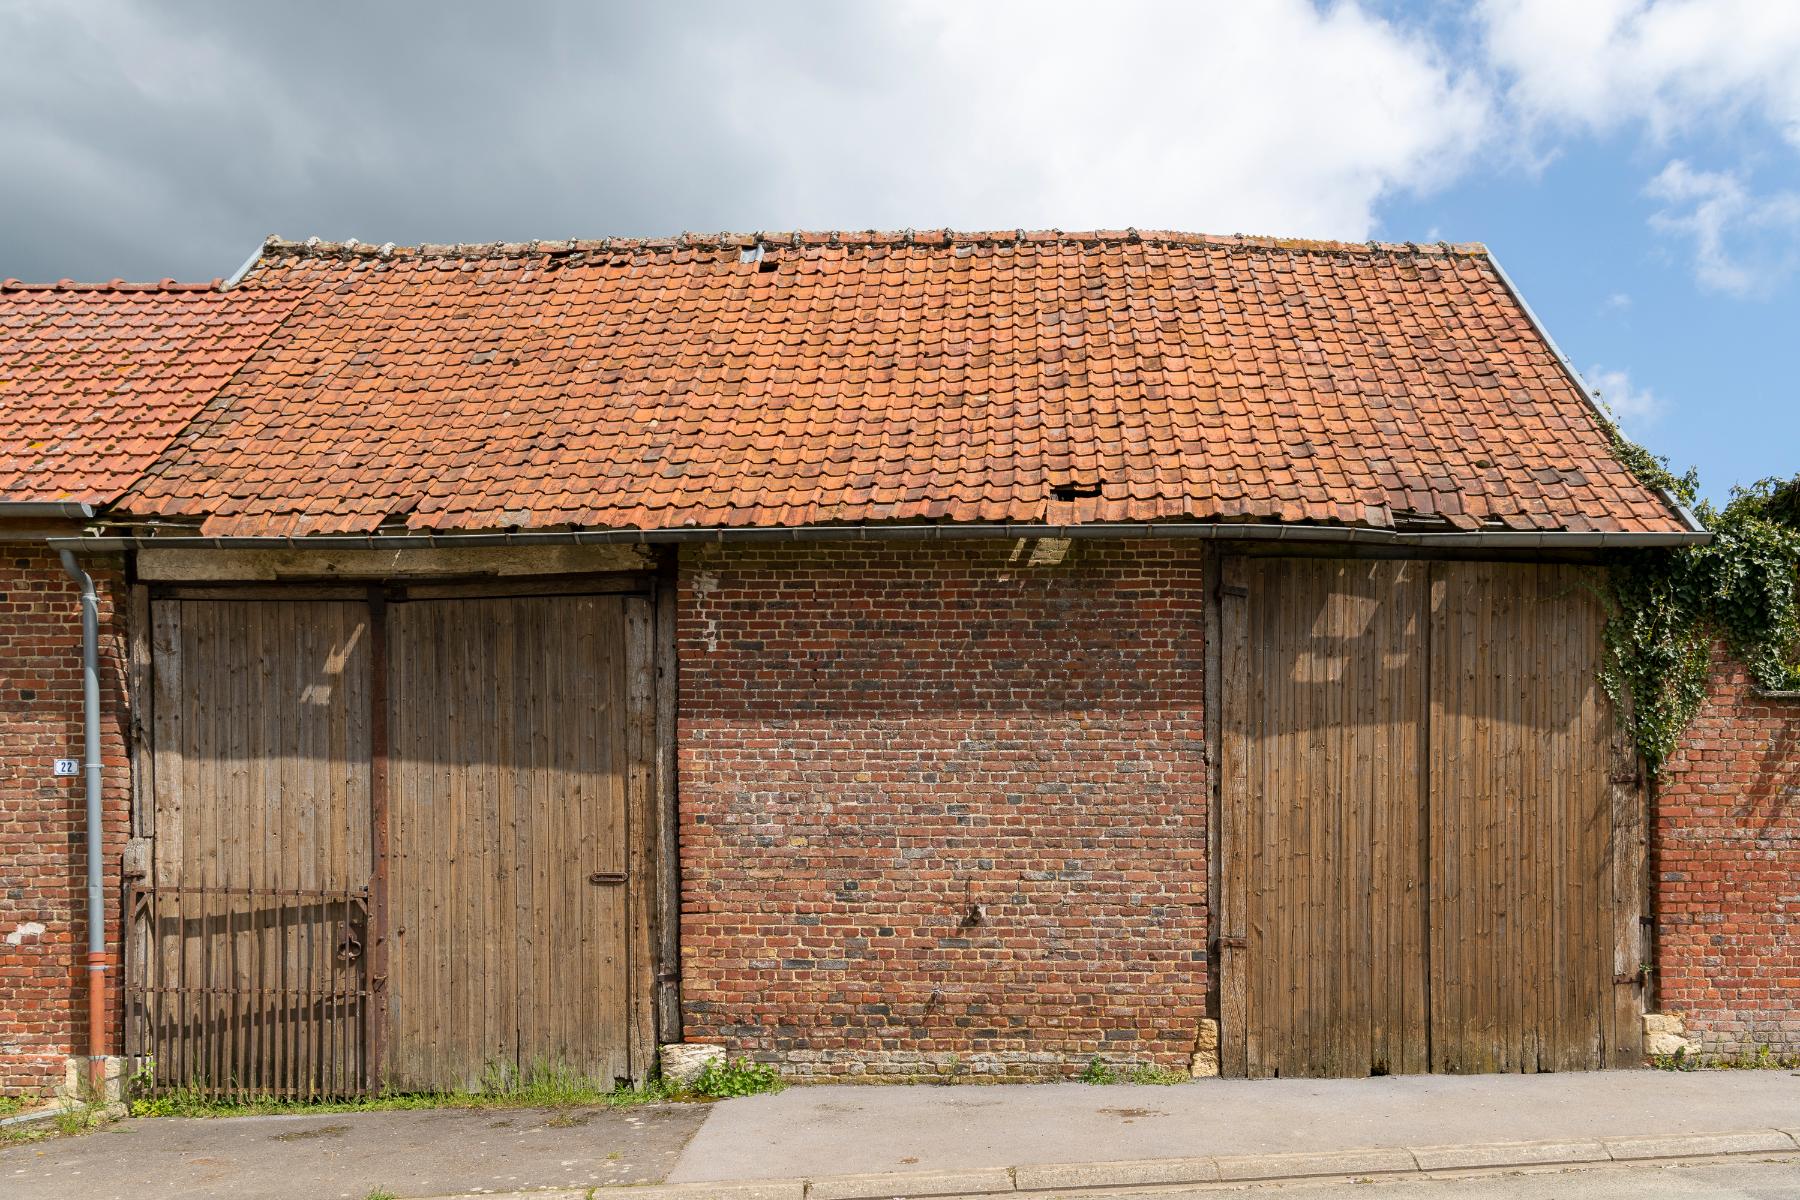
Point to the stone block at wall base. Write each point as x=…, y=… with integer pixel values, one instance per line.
x=683, y=1062
x=1665, y=1035
x=1205, y=1063
x=75, y=1087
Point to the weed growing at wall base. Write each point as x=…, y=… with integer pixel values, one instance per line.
x=1758, y=1058
x=739, y=1077
x=537, y=1087
x=1099, y=1073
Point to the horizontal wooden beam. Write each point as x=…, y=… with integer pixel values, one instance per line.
x=258, y=566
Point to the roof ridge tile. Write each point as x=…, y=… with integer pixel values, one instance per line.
x=62, y=286
x=940, y=238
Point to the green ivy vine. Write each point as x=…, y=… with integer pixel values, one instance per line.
x=1669, y=606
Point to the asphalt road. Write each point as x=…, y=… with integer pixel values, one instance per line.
x=345, y=1157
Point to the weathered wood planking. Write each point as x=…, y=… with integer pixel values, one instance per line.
x=668, y=823
x=1432, y=834
x=520, y=745
x=1528, y=891
x=1323, y=667
x=260, y=784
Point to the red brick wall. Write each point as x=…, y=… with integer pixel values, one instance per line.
x=43, y=885
x=1726, y=846
x=943, y=812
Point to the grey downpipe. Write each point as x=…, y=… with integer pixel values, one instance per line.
x=96, y=885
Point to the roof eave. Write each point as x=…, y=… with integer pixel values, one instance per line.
x=1215, y=531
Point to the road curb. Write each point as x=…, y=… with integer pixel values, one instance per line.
x=1758, y=1141
x=1040, y=1178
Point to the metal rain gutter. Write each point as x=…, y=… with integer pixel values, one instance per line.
x=96, y=886
x=1223, y=531
x=46, y=508
x=1680, y=509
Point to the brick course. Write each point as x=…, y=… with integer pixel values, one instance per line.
x=1726, y=841
x=943, y=812
x=43, y=864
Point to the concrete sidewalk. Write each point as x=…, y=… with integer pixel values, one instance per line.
x=874, y=1142
x=848, y=1130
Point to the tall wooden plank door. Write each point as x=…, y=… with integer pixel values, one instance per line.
x=246, y=973
x=513, y=738
x=1322, y=917
x=1534, y=878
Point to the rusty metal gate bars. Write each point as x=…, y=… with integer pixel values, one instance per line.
x=250, y=992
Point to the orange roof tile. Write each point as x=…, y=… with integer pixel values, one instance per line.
x=97, y=379
x=807, y=378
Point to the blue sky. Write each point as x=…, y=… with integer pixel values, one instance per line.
x=1692, y=339
x=1635, y=164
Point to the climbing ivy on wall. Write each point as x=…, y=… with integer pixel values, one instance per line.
x=1668, y=606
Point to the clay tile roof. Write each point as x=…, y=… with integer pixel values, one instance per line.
x=97, y=379
x=918, y=375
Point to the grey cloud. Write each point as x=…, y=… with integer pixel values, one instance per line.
x=146, y=140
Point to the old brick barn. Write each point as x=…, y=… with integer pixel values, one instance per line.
x=887, y=655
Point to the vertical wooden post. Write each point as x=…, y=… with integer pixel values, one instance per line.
x=375, y=973
x=643, y=834
x=136, y=939
x=1625, y=1045
x=1234, y=884
x=668, y=842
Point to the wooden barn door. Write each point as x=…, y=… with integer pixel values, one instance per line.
x=402, y=838
x=519, y=734
x=1431, y=845
x=246, y=964
x=1537, y=840
x=1323, y=899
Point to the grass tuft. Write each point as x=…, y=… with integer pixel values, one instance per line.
x=741, y=1077
x=541, y=1086
x=1097, y=1072
x=1761, y=1058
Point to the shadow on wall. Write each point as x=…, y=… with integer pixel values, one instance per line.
x=1774, y=798
x=880, y=633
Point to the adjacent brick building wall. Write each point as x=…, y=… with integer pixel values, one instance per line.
x=43, y=864
x=942, y=811
x=1726, y=846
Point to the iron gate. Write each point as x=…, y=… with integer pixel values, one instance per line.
x=244, y=992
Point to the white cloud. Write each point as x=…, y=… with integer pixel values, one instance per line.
x=1275, y=117
x=1671, y=63
x=1682, y=69
x=1742, y=243
x=1615, y=302
x=1631, y=406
